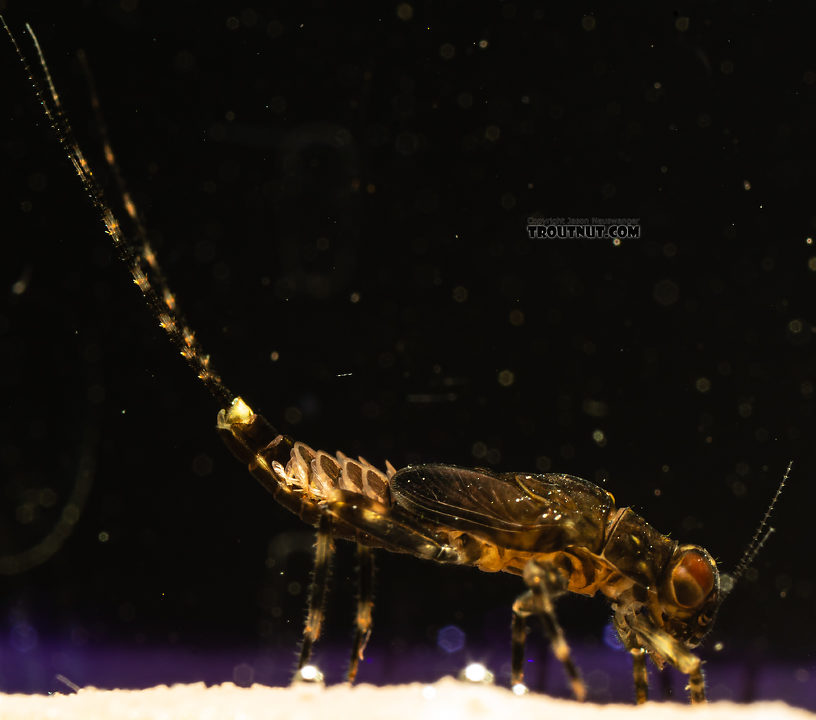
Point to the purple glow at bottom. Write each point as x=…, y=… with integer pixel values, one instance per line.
x=34, y=669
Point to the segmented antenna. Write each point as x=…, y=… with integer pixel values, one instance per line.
x=761, y=535
x=139, y=258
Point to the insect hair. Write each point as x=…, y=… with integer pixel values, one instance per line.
x=761, y=535
x=139, y=257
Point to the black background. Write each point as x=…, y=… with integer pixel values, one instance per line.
x=288, y=157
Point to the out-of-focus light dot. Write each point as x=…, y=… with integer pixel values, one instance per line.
x=666, y=292
x=405, y=11
x=354, y=297
x=202, y=465
x=812, y=263
x=703, y=384
x=520, y=689
x=599, y=437
x=611, y=637
x=460, y=294
x=47, y=497
x=616, y=242
x=451, y=639
x=718, y=646
x=588, y=23
x=595, y=408
x=447, y=51
x=103, y=536
x=795, y=326
x=243, y=675
x=543, y=463
x=483, y=44
x=808, y=240
x=802, y=675
x=19, y=287
x=23, y=636
x=429, y=692
x=598, y=681
x=506, y=378
x=274, y=356
x=464, y=100
x=516, y=317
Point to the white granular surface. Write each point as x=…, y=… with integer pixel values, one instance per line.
x=447, y=699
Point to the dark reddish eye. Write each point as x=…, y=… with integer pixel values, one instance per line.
x=692, y=579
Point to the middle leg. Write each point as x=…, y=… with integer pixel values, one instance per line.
x=546, y=584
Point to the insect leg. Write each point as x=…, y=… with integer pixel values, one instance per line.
x=365, y=603
x=640, y=675
x=664, y=646
x=518, y=636
x=546, y=584
x=696, y=686
x=324, y=548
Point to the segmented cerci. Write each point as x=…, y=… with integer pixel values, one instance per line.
x=558, y=532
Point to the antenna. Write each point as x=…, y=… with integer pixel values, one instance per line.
x=761, y=535
x=139, y=257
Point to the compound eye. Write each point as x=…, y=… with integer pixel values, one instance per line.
x=692, y=579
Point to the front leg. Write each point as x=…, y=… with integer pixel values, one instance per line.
x=663, y=647
x=640, y=675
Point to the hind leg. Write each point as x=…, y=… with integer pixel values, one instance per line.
x=324, y=549
x=365, y=603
